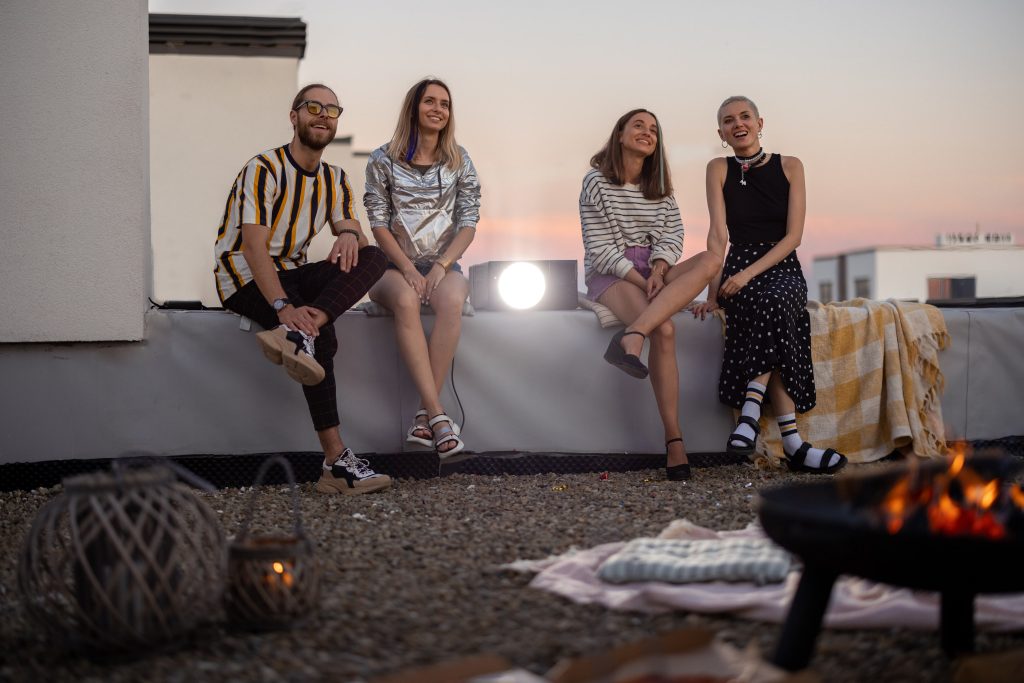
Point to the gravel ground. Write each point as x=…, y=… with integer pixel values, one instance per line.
x=410, y=577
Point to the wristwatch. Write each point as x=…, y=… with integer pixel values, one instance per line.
x=279, y=304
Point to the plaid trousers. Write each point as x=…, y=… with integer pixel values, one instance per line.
x=324, y=286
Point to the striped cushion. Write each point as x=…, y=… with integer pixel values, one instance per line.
x=605, y=317
x=691, y=561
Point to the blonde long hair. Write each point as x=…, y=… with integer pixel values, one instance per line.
x=407, y=132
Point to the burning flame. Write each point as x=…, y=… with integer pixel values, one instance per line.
x=957, y=502
x=284, y=576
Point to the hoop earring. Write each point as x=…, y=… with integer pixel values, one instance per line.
x=760, y=134
x=724, y=144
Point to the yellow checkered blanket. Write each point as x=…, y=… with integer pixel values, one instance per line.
x=878, y=381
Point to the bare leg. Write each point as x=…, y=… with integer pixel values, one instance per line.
x=447, y=301
x=781, y=401
x=393, y=292
x=331, y=443
x=665, y=380
x=684, y=281
x=627, y=301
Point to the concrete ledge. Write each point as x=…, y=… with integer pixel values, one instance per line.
x=528, y=381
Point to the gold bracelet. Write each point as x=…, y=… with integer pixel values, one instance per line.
x=444, y=264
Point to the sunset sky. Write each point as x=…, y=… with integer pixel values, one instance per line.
x=908, y=115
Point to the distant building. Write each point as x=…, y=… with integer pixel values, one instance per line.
x=958, y=267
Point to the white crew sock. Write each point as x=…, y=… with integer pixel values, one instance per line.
x=752, y=409
x=791, y=441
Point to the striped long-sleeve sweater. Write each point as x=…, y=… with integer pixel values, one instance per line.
x=615, y=217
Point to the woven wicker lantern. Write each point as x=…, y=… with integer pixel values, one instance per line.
x=273, y=580
x=122, y=560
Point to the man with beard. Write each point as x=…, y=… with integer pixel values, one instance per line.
x=279, y=201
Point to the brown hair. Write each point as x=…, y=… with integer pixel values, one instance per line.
x=407, y=130
x=655, y=178
x=301, y=95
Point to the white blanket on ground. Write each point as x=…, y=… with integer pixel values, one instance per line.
x=856, y=603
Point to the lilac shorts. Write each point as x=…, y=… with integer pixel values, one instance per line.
x=599, y=284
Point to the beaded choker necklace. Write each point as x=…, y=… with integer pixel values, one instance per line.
x=746, y=162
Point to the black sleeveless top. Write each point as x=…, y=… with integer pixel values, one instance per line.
x=756, y=212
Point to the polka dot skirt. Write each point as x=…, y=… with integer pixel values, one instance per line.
x=767, y=328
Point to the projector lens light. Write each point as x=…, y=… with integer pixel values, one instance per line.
x=521, y=285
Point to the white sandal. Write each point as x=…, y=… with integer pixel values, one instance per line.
x=411, y=437
x=448, y=435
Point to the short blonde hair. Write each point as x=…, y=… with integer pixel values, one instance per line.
x=737, y=98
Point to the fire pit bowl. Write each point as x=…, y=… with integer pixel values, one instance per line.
x=836, y=527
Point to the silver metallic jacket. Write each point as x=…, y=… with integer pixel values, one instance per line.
x=422, y=211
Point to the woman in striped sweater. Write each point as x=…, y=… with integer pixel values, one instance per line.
x=633, y=236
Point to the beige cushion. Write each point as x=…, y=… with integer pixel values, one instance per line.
x=605, y=317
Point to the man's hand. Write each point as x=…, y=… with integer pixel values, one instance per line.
x=704, y=309
x=345, y=252
x=302, y=318
x=432, y=280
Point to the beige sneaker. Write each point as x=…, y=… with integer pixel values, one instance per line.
x=351, y=476
x=293, y=349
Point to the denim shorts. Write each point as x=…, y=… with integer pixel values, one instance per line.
x=424, y=268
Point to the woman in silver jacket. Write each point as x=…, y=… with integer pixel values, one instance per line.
x=423, y=203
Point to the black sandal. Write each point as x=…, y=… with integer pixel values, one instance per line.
x=626, y=362
x=748, y=444
x=795, y=462
x=676, y=472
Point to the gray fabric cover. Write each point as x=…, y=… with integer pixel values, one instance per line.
x=697, y=561
x=529, y=381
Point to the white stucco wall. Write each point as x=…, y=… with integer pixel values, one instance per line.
x=904, y=273
x=208, y=116
x=862, y=265
x=74, y=181
x=826, y=269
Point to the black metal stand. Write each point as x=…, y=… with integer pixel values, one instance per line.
x=800, y=632
x=806, y=612
x=956, y=622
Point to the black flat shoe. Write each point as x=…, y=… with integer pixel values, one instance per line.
x=626, y=362
x=676, y=472
x=795, y=462
x=748, y=444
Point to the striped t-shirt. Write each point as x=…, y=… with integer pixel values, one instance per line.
x=616, y=217
x=274, y=191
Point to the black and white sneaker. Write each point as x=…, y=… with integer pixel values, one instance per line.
x=351, y=476
x=293, y=349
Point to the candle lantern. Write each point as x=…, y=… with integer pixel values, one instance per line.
x=273, y=580
x=122, y=560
